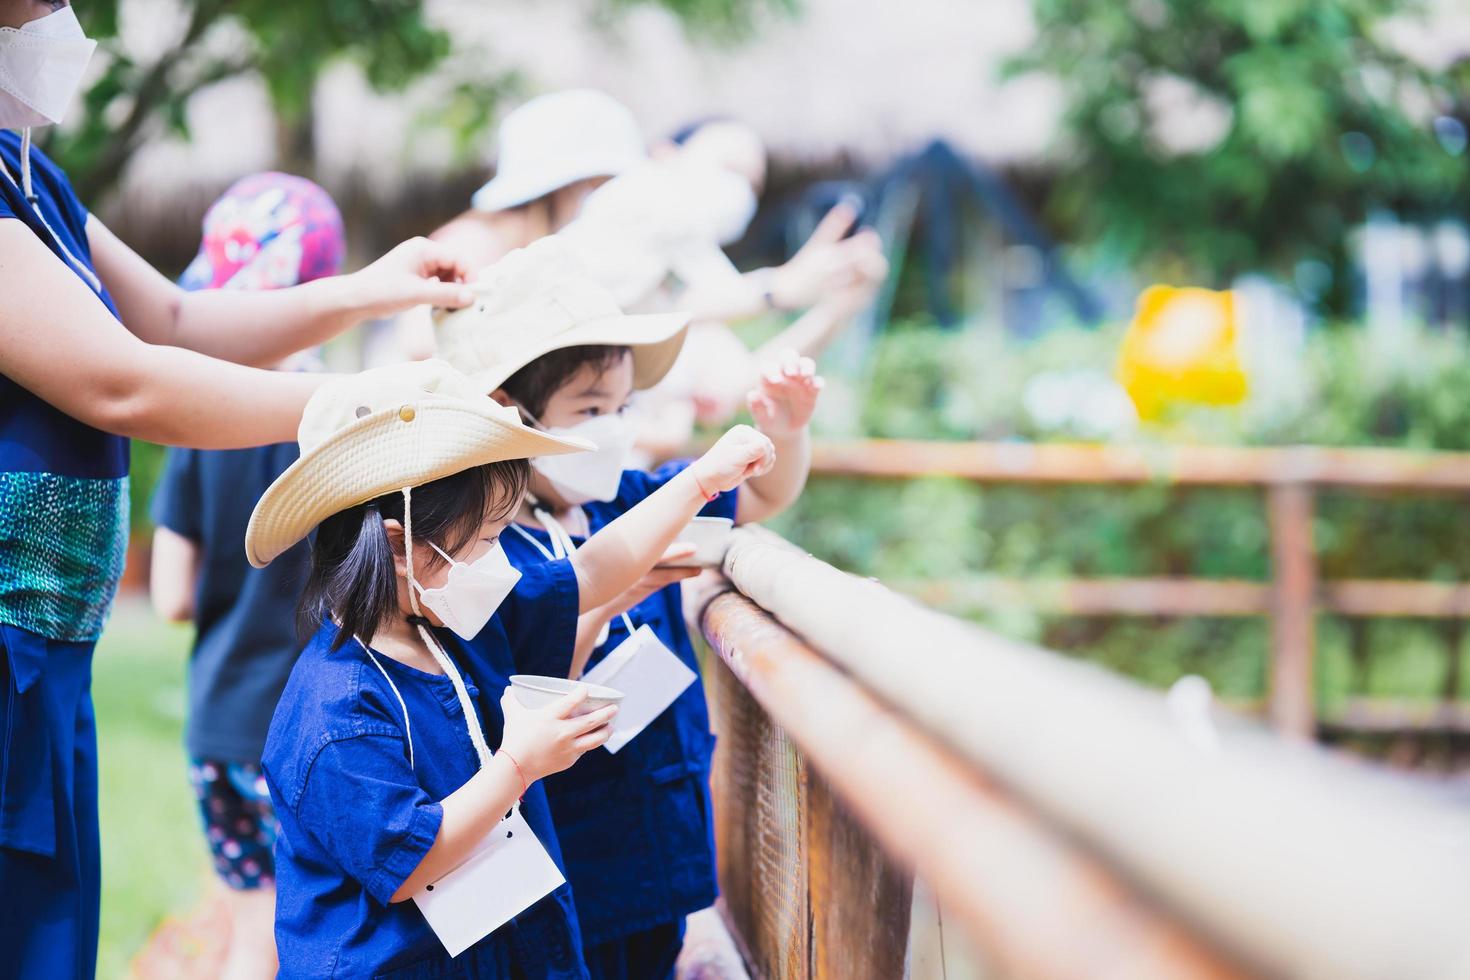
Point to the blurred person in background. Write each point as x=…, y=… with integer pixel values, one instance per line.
x=97, y=347
x=655, y=236
x=553, y=151
x=268, y=231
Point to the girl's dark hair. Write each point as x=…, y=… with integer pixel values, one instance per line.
x=533, y=385
x=352, y=580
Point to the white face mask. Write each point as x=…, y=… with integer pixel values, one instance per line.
x=595, y=475
x=472, y=592
x=41, y=67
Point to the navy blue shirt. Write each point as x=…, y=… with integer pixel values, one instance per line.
x=246, y=641
x=63, y=484
x=651, y=797
x=356, y=817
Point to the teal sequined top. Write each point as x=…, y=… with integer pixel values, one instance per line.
x=63, y=484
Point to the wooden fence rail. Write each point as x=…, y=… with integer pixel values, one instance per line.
x=1070, y=821
x=1289, y=478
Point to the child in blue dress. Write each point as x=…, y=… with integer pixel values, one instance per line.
x=379, y=758
x=573, y=377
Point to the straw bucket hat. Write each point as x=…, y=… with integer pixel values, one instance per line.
x=539, y=299
x=558, y=139
x=382, y=430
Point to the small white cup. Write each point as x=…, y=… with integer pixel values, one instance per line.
x=711, y=539
x=535, y=691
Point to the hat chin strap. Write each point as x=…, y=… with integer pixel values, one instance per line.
x=471, y=718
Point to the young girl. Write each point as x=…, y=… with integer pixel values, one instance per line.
x=379, y=758
x=573, y=375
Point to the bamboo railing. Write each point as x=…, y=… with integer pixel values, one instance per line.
x=1071, y=823
x=1289, y=478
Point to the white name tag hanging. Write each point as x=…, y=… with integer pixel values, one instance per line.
x=648, y=673
x=508, y=873
x=650, y=676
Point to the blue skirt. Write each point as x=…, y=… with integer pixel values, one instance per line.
x=50, y=854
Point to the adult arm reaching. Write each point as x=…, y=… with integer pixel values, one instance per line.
x=261, y=328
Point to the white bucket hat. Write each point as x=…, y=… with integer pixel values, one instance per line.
x=558, y=139
x=538, y=299
x=666, y=218
x=377, y=432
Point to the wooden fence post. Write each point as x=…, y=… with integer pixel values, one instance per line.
x=1293, y=707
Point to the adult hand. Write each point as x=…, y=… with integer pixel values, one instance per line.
x=418, y=272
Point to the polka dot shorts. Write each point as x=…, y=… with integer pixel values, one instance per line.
x=239, y=822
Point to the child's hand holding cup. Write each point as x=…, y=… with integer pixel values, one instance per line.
x=546, y=740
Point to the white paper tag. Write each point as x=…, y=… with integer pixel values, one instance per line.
x=508, y=873
x=651, y=678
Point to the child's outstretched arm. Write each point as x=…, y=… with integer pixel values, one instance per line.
x=782, y=406
x=615, y=558
x=591, y=624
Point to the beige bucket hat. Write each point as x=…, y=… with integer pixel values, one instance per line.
x=380, y=431
x=539, y=299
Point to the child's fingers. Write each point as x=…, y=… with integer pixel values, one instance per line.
x=762, y=407
x=594, y=719
x=569, y=704
x=790, y=362
x=590, y=741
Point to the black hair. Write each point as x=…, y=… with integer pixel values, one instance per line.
x=352, y=580
x=533, y=385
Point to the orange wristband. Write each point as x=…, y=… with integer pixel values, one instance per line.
x=519, y=772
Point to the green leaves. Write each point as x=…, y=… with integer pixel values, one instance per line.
x=288, y=45
x=1326, y=121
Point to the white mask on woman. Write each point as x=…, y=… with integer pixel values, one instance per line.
x=472, y=592
x=41, y=68
x=595, y=475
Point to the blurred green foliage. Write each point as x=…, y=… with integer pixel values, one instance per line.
x=288, y=45
x=925, y=383
x=1320, y=118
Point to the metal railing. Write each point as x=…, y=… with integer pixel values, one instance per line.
x=1289, y=478
x=1068, y=820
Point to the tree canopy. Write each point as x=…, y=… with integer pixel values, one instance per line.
x=287, y=45
x=1212, y=137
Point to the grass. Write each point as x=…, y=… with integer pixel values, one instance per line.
x=154, y=860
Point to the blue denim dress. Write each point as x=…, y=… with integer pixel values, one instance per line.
x=356, y=817
x=636, y=827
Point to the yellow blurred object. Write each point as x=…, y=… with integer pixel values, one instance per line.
x=1182, y=346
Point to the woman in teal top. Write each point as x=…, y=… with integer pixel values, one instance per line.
x=96, y=347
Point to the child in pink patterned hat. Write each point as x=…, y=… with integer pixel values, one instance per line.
x=268, y=231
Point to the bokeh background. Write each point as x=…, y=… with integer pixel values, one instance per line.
x=1034, y=165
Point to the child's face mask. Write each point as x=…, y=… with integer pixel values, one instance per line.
x=582, y=477
x=472, y=592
